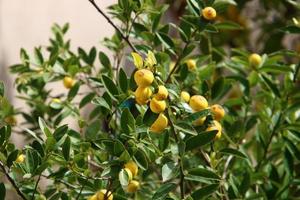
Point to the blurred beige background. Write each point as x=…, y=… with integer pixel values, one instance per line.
x=27, y=23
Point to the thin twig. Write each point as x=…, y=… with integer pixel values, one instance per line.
x=35, y=187
x=12, y=182
x=111, y=23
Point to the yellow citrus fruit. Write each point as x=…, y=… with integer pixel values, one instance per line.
x=199, y=122
x=133, y=186
x=254, y=60
x=198, y=103
x=162, y=93
x=132, y=166
x=185, y=96
x=20, y=158
x=94, y=197
x=143, y=77
x=209, y=13
x=56, y=100
x=215, y=126
x=142, y=95
x=217, y=111
x=191, y=64
x=157, y=106
x=101, y=195
x=159, y=124
x=68, y=82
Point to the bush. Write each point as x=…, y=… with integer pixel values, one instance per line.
x=199, y=117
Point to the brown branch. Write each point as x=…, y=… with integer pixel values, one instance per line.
x=112, y=23
x=13, y=183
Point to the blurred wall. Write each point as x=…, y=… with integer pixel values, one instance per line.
x=27, y=24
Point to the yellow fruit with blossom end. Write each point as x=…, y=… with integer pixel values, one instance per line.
x=20, y=158
x=143, y=77
x=68, y=82
x=209, y=13
x=101, y=195
x=142, y=95
x=217, y=111
x=198, y=103
x=255, y=60
x=215, y=126
x=191, y=64
x=185, y=96
x=162, y=93
x=159, y=124
x=132, y=166
x=157, y=106
x=133, y=186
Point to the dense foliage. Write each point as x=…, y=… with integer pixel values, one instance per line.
x=199, y=99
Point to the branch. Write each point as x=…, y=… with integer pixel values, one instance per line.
x=112, y=23
x=12, y=182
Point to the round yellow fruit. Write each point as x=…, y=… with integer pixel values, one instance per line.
x=68, y=82
x=215, y=126
x=142, y=95
x=217, y=111
x=191, y=64
x=56, y=100
x=94, y=197
x=199, y=122
x=198, y=103
x=209, y=13
x=159, y=124
x=143, y=77
x=185, y=96
x=133, y=186
x=20, y=158
x=132, y=166
x=255, y=60
x=157, y=106
x=101, y=195
x=162, y=93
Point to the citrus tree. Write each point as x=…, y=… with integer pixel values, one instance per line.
x=193, y=108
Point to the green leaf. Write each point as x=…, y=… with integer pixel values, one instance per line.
x=123, y=177
x=87, y=99
x=104, y=60
x=123, y=81
x=101, y=102
x=166, y=41
x=73, y=91
x=217, y=88
x=137, y=60
x=163, y=191
x=168, y=171
x=204, y=191
x=127, y=121
x=110, y=87
x=245, y=184
x=233, y=152
x=271, y=86
x=66, y=148
x=228, y=26
x=149, y=117
x=291, y=29
x=194, y=116
x=12, y=157
x=205, y=173
x=1, y=88
x=44, y=127
x=200, y=140
x=2, y=191
x=140, y=159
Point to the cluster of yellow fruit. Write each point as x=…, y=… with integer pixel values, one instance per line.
x=199, y=103
x=132, y=170
x=144, y=78
x=101, y=195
